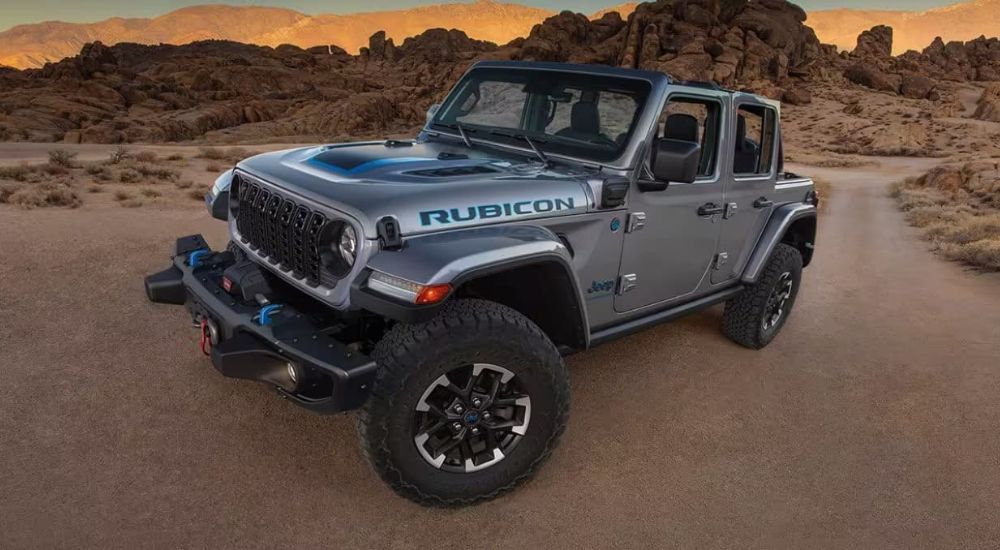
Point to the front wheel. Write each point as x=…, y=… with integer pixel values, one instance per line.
x=464, y=406
x=755, y=316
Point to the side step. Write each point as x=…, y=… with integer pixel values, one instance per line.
x=635, y=325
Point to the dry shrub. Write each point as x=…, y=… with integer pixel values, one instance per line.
x=184, y=184
x=44, y=194
x=53, y=169
x=119, y=155
x=122, y=195
x=147, y=156
x=147, y=192
x=958, y=209
x=197, y=194
x=6, y=191
x=62, y=157
x=212, y=167
x=21, y=172
x=99, y=173
x=132, y=203
x=175, y=157
x=983, y=253
x=157, y=172
x=94, y=189
x=230, y=154
x=129, y=176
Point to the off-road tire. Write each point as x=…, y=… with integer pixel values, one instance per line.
x=412, y=356
x=743, y=319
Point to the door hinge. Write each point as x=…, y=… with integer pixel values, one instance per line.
x=720, y=260
x=627, y=283
x=636, y=221
x=730, y=210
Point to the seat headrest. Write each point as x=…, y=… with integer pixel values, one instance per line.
x=584, y=118
x=741, y=132
x=681, y=126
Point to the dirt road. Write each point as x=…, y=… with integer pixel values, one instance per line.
x=872, y=421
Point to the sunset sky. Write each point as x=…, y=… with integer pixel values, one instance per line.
x=15, y=12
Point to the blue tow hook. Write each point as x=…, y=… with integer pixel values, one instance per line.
x=195, y=256
x=263, y=316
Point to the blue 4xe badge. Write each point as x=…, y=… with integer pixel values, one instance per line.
x=600, y=287
x=488, y=211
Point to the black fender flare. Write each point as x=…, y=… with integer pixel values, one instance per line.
x=774, y=232
x=460, y=256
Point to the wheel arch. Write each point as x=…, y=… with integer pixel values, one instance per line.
x=541, y=288
x=525, y=267
x=792, y=224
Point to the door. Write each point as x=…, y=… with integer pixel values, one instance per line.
x=671, y=235
x=749, y=187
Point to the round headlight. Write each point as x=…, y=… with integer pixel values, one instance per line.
x=348, y=244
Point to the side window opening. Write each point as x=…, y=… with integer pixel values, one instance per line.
x=695, y=120
x=753, y=144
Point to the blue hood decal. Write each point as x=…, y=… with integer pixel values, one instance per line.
x=363, y=167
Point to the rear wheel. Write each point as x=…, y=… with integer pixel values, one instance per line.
x=755, y=317
x=464, y=406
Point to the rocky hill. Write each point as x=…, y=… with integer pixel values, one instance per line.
x=913, y=29
x=227, y=91
x=33, y=45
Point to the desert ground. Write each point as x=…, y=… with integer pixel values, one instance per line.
x=870, y=422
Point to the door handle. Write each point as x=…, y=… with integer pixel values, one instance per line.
x=763, y=202
x=710, y=209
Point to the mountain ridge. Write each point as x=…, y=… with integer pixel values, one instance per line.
x=912, y=30
x=32, y=45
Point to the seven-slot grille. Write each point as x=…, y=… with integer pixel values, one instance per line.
x=285, y=232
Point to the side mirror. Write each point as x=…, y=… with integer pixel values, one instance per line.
x=432, y=110
x=673, y=160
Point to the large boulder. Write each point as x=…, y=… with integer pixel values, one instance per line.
x=871, y=77
x=875, y=43
x=917, y=86
x=988, y=107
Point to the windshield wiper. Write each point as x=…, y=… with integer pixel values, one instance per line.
x=531, y=143
x=461, y=131
x=541, y=156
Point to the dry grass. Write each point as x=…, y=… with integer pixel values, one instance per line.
x=230, y=155
x=40, y=195
x=98, y=172
x=151, y=193
x=175, y=157
x=147, y=156
x=160, y=173
x=122, y=195
x=198, y=194
x=129, y=176
x=21, y=172
x=958, y=209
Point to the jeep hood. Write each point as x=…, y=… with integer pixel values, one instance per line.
x=426, y=186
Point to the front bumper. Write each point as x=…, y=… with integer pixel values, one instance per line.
x=332, y=377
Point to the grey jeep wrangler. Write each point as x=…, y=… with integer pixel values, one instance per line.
x=436, y=284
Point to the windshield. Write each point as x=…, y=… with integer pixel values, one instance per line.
x=577, y=115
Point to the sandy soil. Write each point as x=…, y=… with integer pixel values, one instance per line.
x=870, y=422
